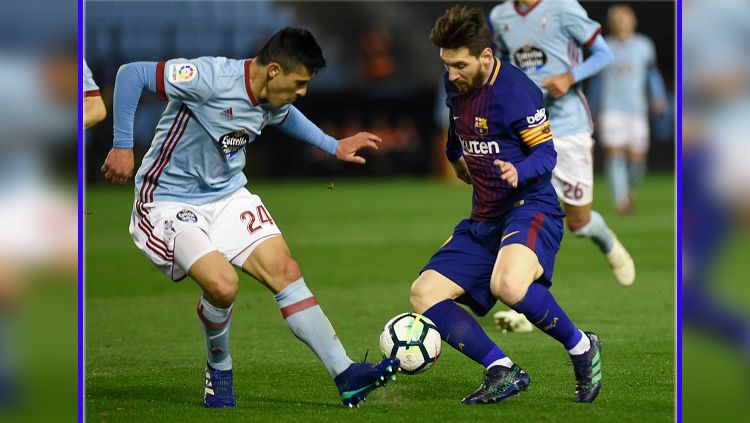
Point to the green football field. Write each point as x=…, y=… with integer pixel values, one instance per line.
x=360, y=246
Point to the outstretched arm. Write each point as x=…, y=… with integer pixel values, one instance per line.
x=131, y=80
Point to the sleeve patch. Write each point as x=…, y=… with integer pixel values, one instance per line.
x=181, y=72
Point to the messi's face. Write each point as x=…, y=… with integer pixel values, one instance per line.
x=285, y=88
x=466, y=71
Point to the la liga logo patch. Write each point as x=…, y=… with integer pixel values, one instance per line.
x=182, y=72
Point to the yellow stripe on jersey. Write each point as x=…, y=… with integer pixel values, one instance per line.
x=536, y=135
x=497, y=70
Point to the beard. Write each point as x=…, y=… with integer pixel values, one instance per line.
x=474, y=84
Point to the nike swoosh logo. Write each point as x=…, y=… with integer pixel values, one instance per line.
x=510, y=234
x=456, y=117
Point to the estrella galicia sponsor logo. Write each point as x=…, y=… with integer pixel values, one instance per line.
x=186, y=215
x=530, y=58
x=234, y=141
x=479, y=148
x=539, y=117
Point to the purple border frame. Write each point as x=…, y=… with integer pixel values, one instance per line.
x=80, y=211
x=678, y=213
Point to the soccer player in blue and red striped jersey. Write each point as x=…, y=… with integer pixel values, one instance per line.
x=500, y=141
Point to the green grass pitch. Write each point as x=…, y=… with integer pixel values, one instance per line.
x=360, y=246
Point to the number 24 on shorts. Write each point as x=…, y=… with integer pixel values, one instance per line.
x=261, y=215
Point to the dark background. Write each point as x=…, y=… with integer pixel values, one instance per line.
x=383, y=74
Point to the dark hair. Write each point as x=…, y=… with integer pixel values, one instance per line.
x=462, y=27
x=292, y=47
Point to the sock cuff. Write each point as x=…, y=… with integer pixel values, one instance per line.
x=295, y=298
x=585, y=229
x=213, y=317
x=438, y=310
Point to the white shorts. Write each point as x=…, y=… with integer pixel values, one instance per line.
x=235, y=225
x=573, y=176
x=624, y=130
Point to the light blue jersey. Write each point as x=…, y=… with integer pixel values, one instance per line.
x=198, y=152
x=89, y=86
x=624, y=83
x=545, y=40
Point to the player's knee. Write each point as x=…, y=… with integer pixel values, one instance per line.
x=285, y=272
x=222, y=288
x=421, y=296
x=508, y=287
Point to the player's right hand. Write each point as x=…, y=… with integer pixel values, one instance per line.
x=118, y=166
x=462, y=170
x=348, y=147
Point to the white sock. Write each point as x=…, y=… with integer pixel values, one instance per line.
x=505, y=362
x=582, y=346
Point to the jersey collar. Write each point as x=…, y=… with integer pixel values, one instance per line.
x=249, y=89
x=517, y=8
x=495, y=71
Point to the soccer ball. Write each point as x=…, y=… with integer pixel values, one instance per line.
x=413, y=339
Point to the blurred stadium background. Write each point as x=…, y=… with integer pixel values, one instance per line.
x=383, y=74
x=362, y=243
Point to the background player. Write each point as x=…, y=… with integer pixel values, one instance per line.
x=619, y=96
x=544, y=39
x=506, y=249
x=193, y=216
x=94, y=110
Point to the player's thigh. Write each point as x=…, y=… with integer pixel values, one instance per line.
x=613, y=130
x=154, y=228
x=517, y=266
x=241, y=223
x=215, y=275
x=638, y=145
x=573, y=176
x=529, y=245
x=272, y=264
x=431, y=288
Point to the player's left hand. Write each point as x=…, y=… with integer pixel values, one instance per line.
x=348, y=147
x=558, y=85
x=659, y=106
x=508, y=172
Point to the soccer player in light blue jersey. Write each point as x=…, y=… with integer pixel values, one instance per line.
x=192, y=215
x=620, y=97
x=94, y=110
x=544, y=38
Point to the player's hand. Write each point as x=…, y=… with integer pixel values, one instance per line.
x=508, y=173
x=558, y=85
x=119, y=165
x=462, y=170
x=348, y=147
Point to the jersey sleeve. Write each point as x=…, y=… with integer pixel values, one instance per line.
x=90, y=89
x=278, y=116
x=531, y=123
x=190, y=81
x=577, y=23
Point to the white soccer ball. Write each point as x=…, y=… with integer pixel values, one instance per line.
x=413, y=339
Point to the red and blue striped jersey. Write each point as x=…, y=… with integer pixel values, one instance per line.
x=506, y=120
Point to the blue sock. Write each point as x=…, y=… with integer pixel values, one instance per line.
x=463, y=332
x=636, y=171
x=598, y=231
x=540, y=307
x=617, y=171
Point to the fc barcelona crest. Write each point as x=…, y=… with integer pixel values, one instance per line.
x=480, y=125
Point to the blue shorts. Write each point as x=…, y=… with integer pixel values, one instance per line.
x=469, y=256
